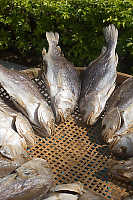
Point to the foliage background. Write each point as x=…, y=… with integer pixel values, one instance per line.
x=79, y=22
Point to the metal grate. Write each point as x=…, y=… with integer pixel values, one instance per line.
x=75, y=153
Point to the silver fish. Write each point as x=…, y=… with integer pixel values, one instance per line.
x=63, y=79
x=16, y=132
x=18, y=122
x=7, y=165
x=99, y=79
x=117, y=124
x=28, y=99
x=30, y=181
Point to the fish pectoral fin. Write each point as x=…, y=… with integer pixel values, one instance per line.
x=24, y=129
x=45, y=118
x=14, y=146
x=111, y=123
x=19, y=107
x=44, y=77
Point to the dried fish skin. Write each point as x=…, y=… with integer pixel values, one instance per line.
x=18, y=122
x=118, y=120
x=16, y=132
x=99, y=79
x=28, y=99
x=12, y=145
x=7, y=165
x=62, y=79
x=31, y=180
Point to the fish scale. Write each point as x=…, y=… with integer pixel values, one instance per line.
x=99, y=78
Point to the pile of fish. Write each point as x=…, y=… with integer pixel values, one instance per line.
x=33, y=180
x=33, y=115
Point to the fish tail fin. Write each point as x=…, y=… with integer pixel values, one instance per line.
x=24, y=129
x=103, y=50
x=111, y=36
x=52, y=38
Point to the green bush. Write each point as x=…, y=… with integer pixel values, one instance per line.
x=79, y=23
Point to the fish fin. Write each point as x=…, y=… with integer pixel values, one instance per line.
x=104, y=49
x=19, y=107
x=44, y=65
x=44, y=77
x=99, y=57
x=111, y=123
x=24, y=129
x=39, y=130
x=43, y=118
x=14, y=146
x=111, y=35
x=43, y=52
x=52, y=38
x=116, y=57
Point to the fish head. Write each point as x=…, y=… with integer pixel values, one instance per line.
x=123, y=147
x=89, y=109
x=110, y=124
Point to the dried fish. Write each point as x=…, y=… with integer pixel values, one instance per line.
x=99, y=79
x=117, y=124
x=62, y=79
x=7, y=165
x=28, y=99
x=30, y=181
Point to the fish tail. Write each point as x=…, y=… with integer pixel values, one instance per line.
x=52, y=38
x=111, y=36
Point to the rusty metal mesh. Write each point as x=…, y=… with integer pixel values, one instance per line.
x=75, y=153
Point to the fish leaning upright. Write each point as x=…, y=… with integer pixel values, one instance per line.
x=63, y=80
x=16, y=132
x=117, y=123
x=30, y=181
x=28, y=99
x=99, y=79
